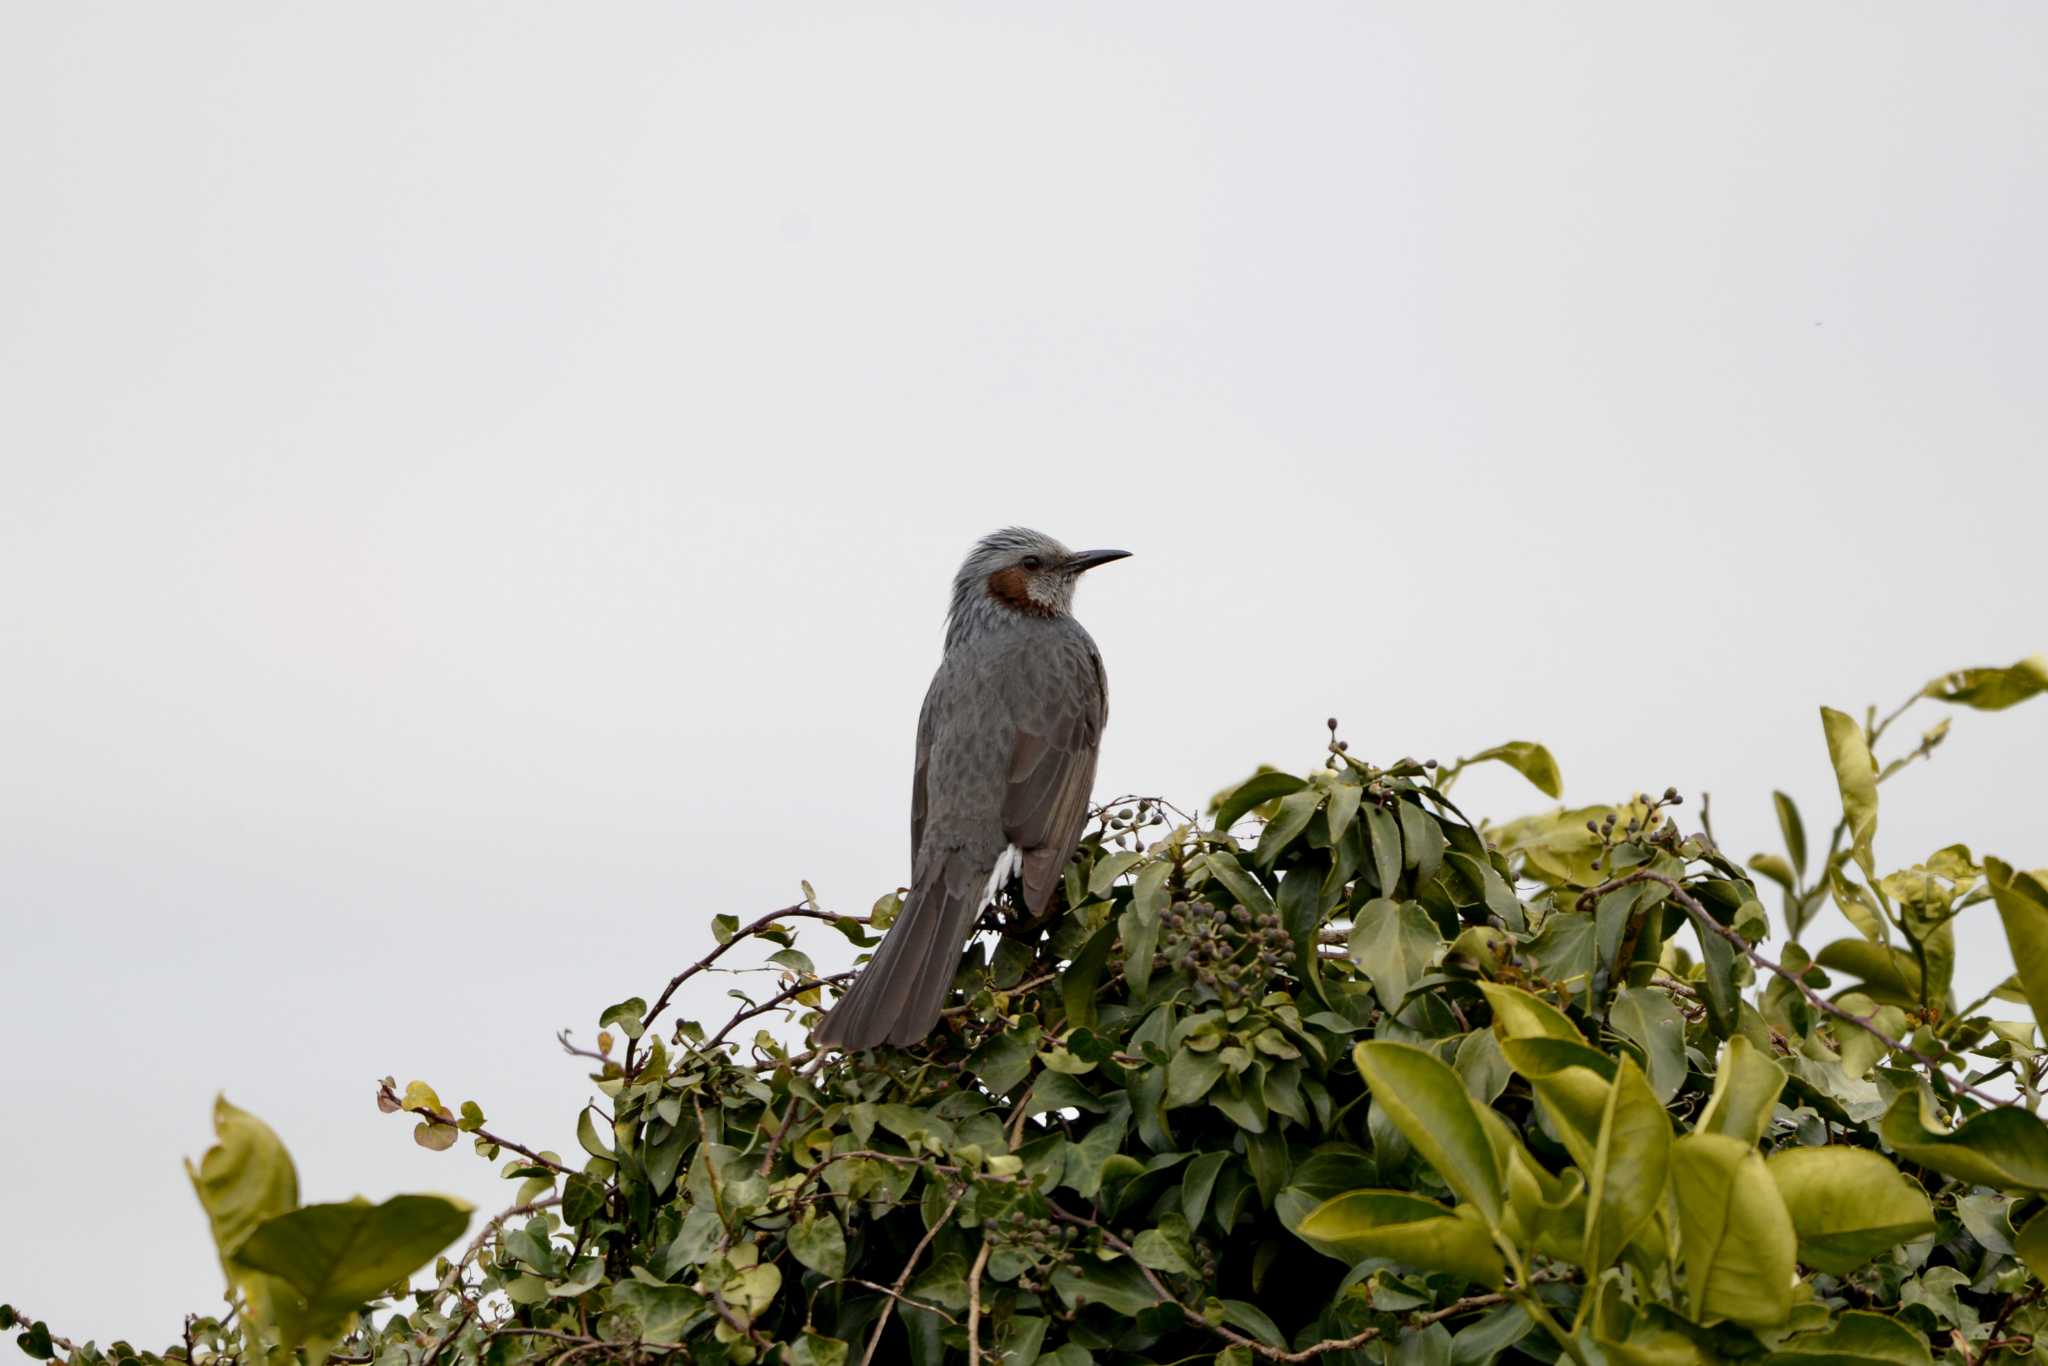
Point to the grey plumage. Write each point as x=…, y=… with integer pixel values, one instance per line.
x=1006, y=747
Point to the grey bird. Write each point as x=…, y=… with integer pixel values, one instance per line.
x=1006, y=748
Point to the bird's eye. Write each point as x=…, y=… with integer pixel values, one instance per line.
x=1032, y=562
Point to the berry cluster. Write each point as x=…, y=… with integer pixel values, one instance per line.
x=1121, y=824
x=1231, y=952
x=1041, y=1245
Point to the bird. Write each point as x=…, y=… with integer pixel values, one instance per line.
x=1006, y=747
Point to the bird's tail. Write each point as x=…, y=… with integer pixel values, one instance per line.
x=898, y=995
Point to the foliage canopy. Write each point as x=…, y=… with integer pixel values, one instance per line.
x=1337, y=1075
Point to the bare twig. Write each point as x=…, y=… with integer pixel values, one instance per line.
x=903, y=1276
x=798, y=912
x=974, y=1302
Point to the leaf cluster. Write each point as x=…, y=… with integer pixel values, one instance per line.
x=1337, y=1074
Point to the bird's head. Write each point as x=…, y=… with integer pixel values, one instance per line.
x=1022, y=572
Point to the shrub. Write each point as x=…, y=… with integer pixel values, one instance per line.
x=1338, y=1075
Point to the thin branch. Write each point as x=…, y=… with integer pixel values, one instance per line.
x=797, y=912
x=390, y=1102
x=903, y=1276
x=974, y=1302
x=454, y=1276
x=1706, y=922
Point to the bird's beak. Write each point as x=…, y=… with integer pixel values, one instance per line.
x=1085, y=560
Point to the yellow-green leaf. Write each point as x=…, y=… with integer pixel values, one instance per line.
x=1430, y=1106
x=1737, y=1239
x=246, y=1178
x=339, y=1256
x=2006, y=1148
x=1529, y=759
x=1991, y=689
x=1848, y=1205
x=1406, y=1228
x=1630, y=1161
x=1857, y=1338
x=1746, y=1089
x=1856, y=775
x=2023, y=907
x=2032, y=1245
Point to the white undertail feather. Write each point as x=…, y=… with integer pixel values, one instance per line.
x=1008, y=864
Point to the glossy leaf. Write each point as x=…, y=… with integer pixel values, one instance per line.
x=1428, y=1104
x=1746, y=1088
x=2006, y=1149
x=1407, y=1229
x=1630, y=1164
x=1736, y=1237
x=1848, y=1205
x=2023, y=908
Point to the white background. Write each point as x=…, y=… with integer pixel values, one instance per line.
x=478, y=483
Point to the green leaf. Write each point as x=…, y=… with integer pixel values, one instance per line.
x=1230, y=807
x=1343, y=809
x=1190, y=1075
x=1385, y=834
x=1848, y=1205
x=1429, y=1105
x=1991, y=689
x=1393, y=942
x=2023, y=908
x=811, y=1350
x=1856, y=776
x=340, y=1256
x=1856, y=1339
x=1295, y=811
x=586, y=1134
x=2005, y=1148
x=1079, y=982
x=244, y=1180
x=1117, y=1286
x=1792, y=828
x=626, y=1015
x=2031, y=1243
x=1737, y=1239
x=1529, y=759
x=817, y=1241
x=1405, y=1228
x=1646, y=1018
x=1746, y=1089
x=1889, y=975
x=1630, y=1163
x=1249, y=891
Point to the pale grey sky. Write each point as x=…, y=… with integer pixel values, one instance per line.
x=478, y=482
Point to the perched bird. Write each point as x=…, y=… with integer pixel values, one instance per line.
x=1006, y=749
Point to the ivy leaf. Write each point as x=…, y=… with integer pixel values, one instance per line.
x=819, y=1243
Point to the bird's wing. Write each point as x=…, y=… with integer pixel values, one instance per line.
x=921, y=770
x=1059, y=716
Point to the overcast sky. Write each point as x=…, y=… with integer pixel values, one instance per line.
x=478, y=483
